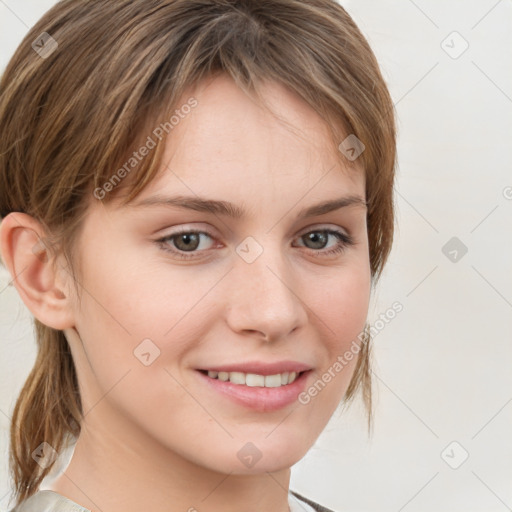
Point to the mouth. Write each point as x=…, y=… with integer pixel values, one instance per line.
x=257, y=392
x=254, y=379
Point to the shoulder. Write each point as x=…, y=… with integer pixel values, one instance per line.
x=317, y=507
x=48, y=501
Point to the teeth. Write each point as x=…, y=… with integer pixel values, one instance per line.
x=237, y=377
x=255, y=380
x=273, y=381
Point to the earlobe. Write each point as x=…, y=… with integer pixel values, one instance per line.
x=40, y=283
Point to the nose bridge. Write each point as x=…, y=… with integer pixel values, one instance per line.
x=263, y=297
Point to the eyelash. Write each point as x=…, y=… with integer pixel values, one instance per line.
x=344, y=242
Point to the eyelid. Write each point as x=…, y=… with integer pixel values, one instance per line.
x=323, y=227
x=184, y=228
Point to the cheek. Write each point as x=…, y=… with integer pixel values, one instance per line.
x=135, y=308
x=339, y=305
x=140, y=297
x=136, y=328
x=341, y=301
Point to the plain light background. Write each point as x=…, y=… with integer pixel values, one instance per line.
x=443, y=380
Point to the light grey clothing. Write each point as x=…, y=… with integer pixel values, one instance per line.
x=51, y=501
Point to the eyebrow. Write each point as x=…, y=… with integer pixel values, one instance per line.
x=228, y=209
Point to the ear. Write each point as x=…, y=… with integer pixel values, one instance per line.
x=43, y=288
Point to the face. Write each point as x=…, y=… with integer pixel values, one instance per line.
x=172, y=291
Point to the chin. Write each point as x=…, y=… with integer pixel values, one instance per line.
x=264, y=456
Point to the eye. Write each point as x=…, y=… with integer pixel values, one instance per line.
x=187, y=243
x=184, y=241
x=318, y=239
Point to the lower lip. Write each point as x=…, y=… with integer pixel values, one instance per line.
x=258, y=398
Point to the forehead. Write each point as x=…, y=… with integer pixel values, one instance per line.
x=231, y=136
x=229, y=147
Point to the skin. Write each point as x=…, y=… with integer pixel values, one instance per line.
x=156, y=437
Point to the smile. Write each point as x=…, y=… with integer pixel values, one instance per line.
x=261, y=393
x=254, y=379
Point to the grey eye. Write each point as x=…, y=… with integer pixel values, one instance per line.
x=318, y=239
x=187, y=241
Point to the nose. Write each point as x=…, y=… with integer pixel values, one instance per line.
x=263, y=298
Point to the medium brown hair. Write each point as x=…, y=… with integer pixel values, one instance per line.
x=70, y=118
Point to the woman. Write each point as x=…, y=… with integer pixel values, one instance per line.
x=196, y=201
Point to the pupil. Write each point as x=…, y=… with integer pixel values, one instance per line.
x=191, y=241
x=319, y=240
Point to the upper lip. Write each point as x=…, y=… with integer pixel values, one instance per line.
x=260, y=367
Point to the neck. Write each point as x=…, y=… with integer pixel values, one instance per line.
x=113, y=468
